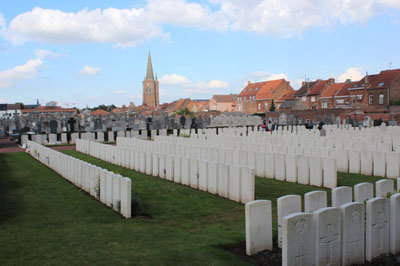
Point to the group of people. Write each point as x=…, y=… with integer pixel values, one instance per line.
x=268, y=127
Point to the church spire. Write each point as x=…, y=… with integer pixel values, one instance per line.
x=149, y=73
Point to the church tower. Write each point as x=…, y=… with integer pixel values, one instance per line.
x=150, y=86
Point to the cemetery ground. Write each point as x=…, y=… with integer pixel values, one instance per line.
x=46, y=220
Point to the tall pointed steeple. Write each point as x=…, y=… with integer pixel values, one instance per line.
x=149, y=73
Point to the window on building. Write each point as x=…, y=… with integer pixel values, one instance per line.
x=359, y=97
x=313, y=99
x=339, y=101
x=304, y=98
x=370, y=99
x=259, y=106
x=324, y=104
x=381, y=84
x=353, y=99
x=244, y=98
x=266, y=106
x=381, y=98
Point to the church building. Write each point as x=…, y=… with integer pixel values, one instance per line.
x=150, y=87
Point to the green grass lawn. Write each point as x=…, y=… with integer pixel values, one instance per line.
x=46, y=220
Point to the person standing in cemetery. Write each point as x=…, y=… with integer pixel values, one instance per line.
x=322, y=131
x=269, y=126
x=264, y=126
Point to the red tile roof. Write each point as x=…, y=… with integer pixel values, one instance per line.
x=100, y=112
x=225, y=98
x=319, y=87
x=383, y=79
x=44, y=109
x=262, y=90
x=289, y=95
x=344, y=90
x=332, y=90
x=267, y=89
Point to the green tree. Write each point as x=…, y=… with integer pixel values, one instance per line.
x=272, y=107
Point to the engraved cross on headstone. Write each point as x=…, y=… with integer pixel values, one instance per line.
x=379, y=226
x=328, y=240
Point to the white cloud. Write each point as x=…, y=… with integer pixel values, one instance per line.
x=90, y=71
x=127, y=27
x=119, y=92
x=352, y=73
x=1, y=100
x=42, y=53
x=162, y=92
x=68, y=104
x=138, y=96
x=213, y=84
x=28, y=70
x=173, y=79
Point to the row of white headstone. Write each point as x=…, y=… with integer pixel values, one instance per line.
x=109, y=188
x=323, y=235
x=225, y=180
x=358, y=160
x=279, y=165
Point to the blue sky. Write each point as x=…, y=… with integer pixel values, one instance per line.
x=82, y=53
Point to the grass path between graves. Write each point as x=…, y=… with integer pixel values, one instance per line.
x=46, y=220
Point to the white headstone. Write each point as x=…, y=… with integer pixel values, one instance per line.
x=342, y=157
x=116, y=192
x=155, y=164
x=330, y=172
x=269, y=165
x=260, y=164
x=354, y=162
x=203, y=175
x=177, y=169
x=126, y=197
x=286, y=205
x=315, y=171
x=298, y=247
x=379, y=163
x=109, y=188
x=291, y=168
x=366, y=163
x=279, y=166
x=363, y=191
x=212, y=181
x=149, y=163
x=234, y=183
x=384, y=187
x=303, y=170
x=328, y=236
x=169, y=167
x=392, y=164
x=223, y=180
x=258, y=226
x=353, y=233
x=247, y=184
x=185, y=173
x=315, y=200
x=377, y=228
x=194, y=173
x=395, y=224
x=341, y=195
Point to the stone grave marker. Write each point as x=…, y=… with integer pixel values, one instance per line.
x=258, y=226
x=384, y=187
x=341, y=195
x=315, y=200
x=298, y=247
x=328, y=232
x=363, y=191
x=286, y=205
x=377, y=228
x=353, y=233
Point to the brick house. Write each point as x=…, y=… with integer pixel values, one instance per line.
x=223, y=103
x=257, y=97
x=342, y=96
x=301, y=94
x=376, y=91
x=315, y=92
x=327, y=98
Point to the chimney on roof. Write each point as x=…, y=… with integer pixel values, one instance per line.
x=248, y=82
x=331, y=81
x=366, y=78
x=348, y=80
